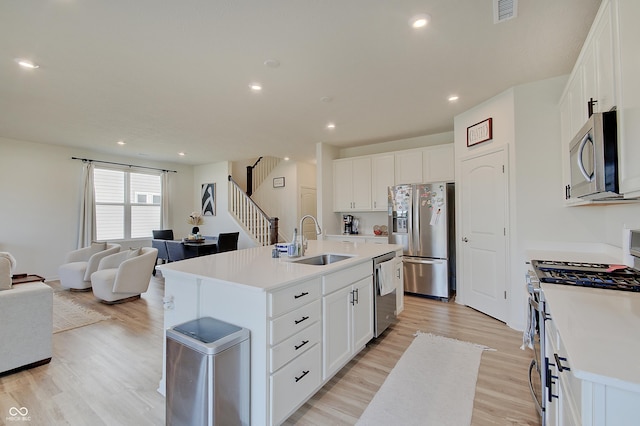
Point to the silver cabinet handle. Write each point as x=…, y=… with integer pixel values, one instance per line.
x=424, y=261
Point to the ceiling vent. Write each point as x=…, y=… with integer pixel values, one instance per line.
x=503, y=10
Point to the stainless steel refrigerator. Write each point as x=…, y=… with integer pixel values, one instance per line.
x=421, y=219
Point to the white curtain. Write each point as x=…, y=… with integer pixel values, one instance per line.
x=165, y=200
x=87, y=228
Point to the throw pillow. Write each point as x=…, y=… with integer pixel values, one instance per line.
x=97, y=247
x=134, y=252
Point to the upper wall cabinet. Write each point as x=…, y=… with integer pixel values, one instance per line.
x=361, y=183
x=607, y=71
x=437, y=164
x=628, y=93
x=593, y=74
x=352, y=184
x=382, y=177
x=409, y=166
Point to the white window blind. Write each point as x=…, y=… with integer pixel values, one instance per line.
x=127, y=204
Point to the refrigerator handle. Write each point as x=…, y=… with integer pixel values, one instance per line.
x=406, y=259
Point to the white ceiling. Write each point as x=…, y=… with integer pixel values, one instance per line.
x=169, y=76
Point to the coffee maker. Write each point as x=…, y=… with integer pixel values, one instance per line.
x=347, y=224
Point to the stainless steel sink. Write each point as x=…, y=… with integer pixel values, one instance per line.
x=322, y=259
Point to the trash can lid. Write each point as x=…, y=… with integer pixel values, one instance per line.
x=208, y=334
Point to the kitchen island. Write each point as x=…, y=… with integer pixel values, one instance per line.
x=306, y=321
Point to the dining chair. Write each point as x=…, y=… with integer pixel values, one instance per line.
x=228, y=241
x=162, y=234
x=175, y=251
x=163, y=255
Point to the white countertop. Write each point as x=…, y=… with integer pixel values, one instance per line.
x=600, y=329
x=257, y=270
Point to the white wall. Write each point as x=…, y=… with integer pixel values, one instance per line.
x=217, y=173
x=398, y=145
x=284, y=202
x=40, y=199
x=325, y=154
x=526, y=120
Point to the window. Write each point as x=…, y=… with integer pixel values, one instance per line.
x=127, y=204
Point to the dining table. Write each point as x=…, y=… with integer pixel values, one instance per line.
x=201, y=247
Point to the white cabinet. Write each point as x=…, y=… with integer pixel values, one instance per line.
x=607, y=70
x=361, y=183
x=399, y=277
x=438, y=164
x=347, y=315
x=574, y=401
x=382, y=177
x=352, y=184
x=593, y=76
x=408, y=165
x=294, y=351
x=628, y=92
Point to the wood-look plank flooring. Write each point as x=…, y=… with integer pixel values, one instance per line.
x=107, y=373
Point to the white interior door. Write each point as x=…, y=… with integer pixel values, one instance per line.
x=483, y=213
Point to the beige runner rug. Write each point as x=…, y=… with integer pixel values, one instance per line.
x=433, y=383
x=68, y=315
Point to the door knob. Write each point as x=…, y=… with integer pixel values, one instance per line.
x=465, y=239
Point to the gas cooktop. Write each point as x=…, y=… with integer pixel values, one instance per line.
x=599, y=275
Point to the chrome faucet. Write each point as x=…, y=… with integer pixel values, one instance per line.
x=318, y=232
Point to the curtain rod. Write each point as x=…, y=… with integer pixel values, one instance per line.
x=84, y=160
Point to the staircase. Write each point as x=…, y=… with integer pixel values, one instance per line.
x=250, y=216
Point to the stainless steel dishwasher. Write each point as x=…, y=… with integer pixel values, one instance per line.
x=384, y=302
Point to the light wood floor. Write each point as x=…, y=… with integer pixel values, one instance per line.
x=107, y=373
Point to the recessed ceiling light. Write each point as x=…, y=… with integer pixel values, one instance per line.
x=420, y=21
x=331, y=126
x=255, y=87
x=27, y=64
x=453, y=98
x=286, y=158
x=121, y=143
x=181, y=154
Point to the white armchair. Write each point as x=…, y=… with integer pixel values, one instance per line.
x=7, y=265
x=76, y=272
x=123, y=276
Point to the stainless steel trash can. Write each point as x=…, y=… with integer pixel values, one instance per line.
x=208, y=366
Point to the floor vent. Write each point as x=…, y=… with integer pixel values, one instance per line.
x=503, y=10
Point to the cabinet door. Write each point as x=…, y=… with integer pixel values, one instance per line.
x=604, y=62
x=361, y=181
x=577, y=104
x=438, y=164
x=408, y=167
x=342, y=185
x=628, y=92
x=362, y=313
x=398, y=276
x=336, y=330
x=382, y=177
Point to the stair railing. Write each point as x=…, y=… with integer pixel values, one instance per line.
x=252, y=218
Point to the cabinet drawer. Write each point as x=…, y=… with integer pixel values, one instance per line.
x=294, y=384
x=340, y=279
x=289, y=324
x=292, y=297
x=295, y=345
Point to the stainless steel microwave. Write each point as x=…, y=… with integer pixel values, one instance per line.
x=594, y=159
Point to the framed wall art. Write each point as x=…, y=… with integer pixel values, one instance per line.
x=208, y=195
x=480, y=132
x=278, y=182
